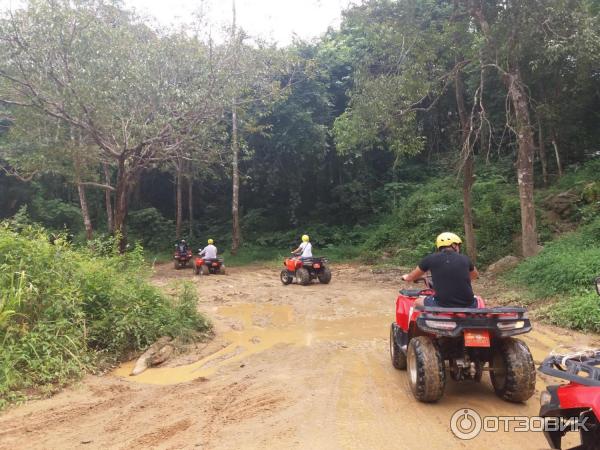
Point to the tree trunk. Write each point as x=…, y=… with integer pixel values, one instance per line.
x=556, y=154
x=77, y=148
x=121, y=204
x=468, y=181
x=526, y=151
x=235, y=201
x=191, y=204
x=468, y=168
x=542, y=152
x=89, y=232
x=179, y=204
x=108, y=201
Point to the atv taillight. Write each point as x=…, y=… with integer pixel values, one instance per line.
x=317, y=266
x=441, y=325
x=517, y=324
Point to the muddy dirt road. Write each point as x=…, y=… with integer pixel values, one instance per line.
x=291, y=367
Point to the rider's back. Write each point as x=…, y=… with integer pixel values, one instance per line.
x=450, y=272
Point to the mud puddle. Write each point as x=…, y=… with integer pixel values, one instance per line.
x=255, y=328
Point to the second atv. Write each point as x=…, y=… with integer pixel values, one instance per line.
x=305, y=270
x=432, y=342
x=205, y=266
x=181, y=258
x=575, y=403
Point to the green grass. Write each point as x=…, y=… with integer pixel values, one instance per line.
x=565, y=271
x=66, y=310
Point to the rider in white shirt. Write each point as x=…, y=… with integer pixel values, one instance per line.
x=210, y=251
x=305, y=248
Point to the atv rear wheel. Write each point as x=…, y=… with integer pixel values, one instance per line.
x=176, y=264
x=285, y=277
x=513, y=370
x=204, y=270
x=426, y=373
x=325, y=275
x=222, y=269
x=197, y=270
x=303, y=276
x=396, y=354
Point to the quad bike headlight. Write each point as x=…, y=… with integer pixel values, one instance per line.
x=511, y=325
x=441, y=325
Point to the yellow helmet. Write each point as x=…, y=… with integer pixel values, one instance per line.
x=447, y=239
x=305, y=238
x=210, y=241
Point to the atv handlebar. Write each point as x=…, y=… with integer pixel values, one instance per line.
x=425, y=279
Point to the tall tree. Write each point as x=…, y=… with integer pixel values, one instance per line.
x=79, y=63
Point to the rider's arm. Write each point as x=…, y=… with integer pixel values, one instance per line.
x=414, y=275
x=419, y=271
x=201, y=252
x=474, y=274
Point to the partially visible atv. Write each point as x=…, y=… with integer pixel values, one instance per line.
x=305, y=270
x=181, y=258
x=578, y=401
x=205, y=266
x=432, y=342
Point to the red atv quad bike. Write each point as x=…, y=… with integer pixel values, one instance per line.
x=578, y=401
x=204, y=266
x=305, y=270
x=463, y=342
x=181, y=259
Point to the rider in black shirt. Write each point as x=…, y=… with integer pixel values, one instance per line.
x=451, y=273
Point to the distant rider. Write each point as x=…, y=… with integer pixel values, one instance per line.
x=305, y=248
x=182, y=247
x=451, y=273
x=210, y=251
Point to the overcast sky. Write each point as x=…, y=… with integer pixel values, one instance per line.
x=277, y=20
x=274, y=19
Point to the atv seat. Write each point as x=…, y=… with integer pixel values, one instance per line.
x=411, y=292
x=313, y=260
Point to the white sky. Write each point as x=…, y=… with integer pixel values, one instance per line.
x=276, y=20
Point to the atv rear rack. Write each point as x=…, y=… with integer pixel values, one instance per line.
x=501, y=322
x=583, y=370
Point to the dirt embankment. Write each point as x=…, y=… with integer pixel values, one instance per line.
x=290, y=367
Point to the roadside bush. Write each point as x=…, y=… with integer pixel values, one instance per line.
x=65, y=310
x=436, y=205
x=567, y=265
x=566, y=270
x=580, y=312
